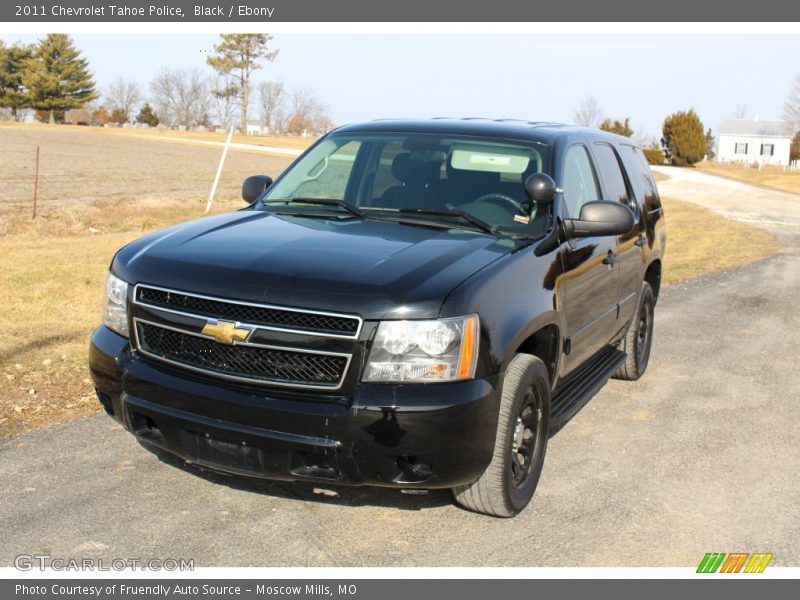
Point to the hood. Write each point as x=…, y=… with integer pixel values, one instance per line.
x=372, y=268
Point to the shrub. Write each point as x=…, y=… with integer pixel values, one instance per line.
x=654, y=156
x=118, y=115
x=684, y=138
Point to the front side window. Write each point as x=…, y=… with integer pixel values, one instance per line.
x=416, y=175
x=767, y=149
x=741, y=148
x=580, y=183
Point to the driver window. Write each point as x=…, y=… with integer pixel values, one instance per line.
x=580, y=182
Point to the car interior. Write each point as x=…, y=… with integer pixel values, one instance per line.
x=429, y=180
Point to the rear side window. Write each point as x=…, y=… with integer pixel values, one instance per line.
x=640, y=177
x=613, y=178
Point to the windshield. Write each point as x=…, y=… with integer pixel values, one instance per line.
x=471, y=182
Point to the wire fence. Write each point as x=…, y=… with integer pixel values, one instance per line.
x=85, y=168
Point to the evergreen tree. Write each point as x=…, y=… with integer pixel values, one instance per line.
x=147, y=116
x=12, y=64
x=684, y=138
x=618, y=127
x=57, y=77
x=710, y=141
x=236, y=57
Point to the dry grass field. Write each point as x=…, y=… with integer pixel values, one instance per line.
x=99, y=191
x=80, y=165
x=700, y=241
x=293, y=143
x=770, y=177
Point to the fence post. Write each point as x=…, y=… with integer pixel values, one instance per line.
x=36, y=183
x=219, y=170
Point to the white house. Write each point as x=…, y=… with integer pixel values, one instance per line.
x=763, y=141
x=255, y=128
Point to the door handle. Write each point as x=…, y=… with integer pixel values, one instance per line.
x=611, y=259
x=641, y=241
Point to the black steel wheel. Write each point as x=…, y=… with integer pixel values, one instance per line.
x=508, y=483
x=527, y=437
x=639, y=338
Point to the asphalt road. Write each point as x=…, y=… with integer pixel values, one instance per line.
x=702, y=454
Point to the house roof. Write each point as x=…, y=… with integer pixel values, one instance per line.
x=755, y=127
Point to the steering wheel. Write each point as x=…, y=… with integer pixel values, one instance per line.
x=497, y=198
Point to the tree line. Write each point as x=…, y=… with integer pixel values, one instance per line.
x=685, y=140
x=52, y=79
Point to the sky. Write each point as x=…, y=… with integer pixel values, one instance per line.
x=541, y=77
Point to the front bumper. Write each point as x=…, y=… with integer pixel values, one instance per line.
x=426, y=436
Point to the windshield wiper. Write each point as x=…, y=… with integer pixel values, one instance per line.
x=321, y=202
x=460, y=214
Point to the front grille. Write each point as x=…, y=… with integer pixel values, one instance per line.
x=242, y=362
x=267, y=316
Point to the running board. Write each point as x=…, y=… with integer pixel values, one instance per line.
x=578, y=388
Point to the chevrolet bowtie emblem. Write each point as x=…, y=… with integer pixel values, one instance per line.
x=226, y=332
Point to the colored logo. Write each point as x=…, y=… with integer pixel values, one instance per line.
x=226, y=332
x=734, y=562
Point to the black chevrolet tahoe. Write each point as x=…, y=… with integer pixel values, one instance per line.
x=414, y=304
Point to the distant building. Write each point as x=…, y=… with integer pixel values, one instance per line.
x=254, y=128
x=763, y=141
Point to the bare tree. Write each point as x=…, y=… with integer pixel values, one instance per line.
x=182, y=97
x=791, y=110
x=123, y=96
x=589, y=113
x=644, y=139
x=225, y=97
x=740, y=112
x=307, y=114
x=271, y=98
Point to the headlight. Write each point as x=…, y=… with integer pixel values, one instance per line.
x=424, y=351
x=115, y=313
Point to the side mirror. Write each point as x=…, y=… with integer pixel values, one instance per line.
x=254, y=186
x=540, y=188
x=600, y=218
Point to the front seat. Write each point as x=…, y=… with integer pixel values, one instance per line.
x=418, y=179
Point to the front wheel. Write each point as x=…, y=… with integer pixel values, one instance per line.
x=639, y=338
x=507, y=485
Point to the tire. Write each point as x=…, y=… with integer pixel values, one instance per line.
x=507, y=485
x=639, y=338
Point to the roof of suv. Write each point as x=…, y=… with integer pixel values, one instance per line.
x=544, y=132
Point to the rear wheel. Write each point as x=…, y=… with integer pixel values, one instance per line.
x=639, y=338
x=508, y=484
